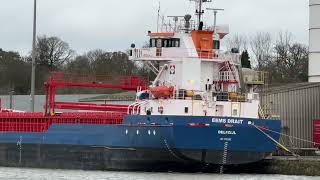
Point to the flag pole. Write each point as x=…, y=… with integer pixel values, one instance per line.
x=33, y=71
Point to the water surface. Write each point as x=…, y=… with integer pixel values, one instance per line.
x=45, y=174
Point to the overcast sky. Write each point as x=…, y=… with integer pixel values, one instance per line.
x=114, y=25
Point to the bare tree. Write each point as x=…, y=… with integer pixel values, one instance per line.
x=96, y=55
x=291, y=59
x=238, y=41
x=261, y=46
x=53, y=52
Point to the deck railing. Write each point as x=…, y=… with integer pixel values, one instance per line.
x=172, y=53
x=254, y=77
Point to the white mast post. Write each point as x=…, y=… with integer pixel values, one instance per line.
x=158, y=18
x=215, y=12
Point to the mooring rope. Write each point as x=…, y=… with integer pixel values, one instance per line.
x=276, y=142
x=300, y=139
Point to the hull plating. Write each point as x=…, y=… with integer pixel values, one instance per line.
x=141, y=142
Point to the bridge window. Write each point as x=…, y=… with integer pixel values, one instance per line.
x=173, y=42
x=216, y=44
x=165, y=42
x=153, y=42
x=159, y=43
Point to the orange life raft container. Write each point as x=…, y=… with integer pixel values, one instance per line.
x=162, y=91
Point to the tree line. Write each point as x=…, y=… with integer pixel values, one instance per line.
x=284, y=60
x=54, y=54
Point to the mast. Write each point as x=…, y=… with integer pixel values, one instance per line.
x=175, y=19
x=33, y=71
x=158, y=18
x=215, y=12
x=200, y=11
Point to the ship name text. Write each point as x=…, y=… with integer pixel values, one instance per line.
x=227, y=121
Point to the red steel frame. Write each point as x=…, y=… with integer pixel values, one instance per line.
x=11, y=121
x=227, y=66
x=110, y=82
x=37, y=122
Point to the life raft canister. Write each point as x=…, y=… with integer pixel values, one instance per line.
x=162, y=91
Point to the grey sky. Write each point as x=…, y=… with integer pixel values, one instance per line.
x=114, y=25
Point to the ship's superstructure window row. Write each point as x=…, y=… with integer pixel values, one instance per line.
x=160, y=42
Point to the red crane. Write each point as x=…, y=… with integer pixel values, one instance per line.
x=58, y=80
x=11, y=121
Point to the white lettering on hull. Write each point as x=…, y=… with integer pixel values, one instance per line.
x=227, y=132
x=226, y=121
x=226, y=139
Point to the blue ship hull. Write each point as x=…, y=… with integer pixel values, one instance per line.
x=142, y=142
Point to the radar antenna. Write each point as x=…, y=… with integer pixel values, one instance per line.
x=215, y=12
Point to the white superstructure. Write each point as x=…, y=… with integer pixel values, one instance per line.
x=314, y=44
x=194, y=77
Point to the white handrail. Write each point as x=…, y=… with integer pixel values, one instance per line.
x=135, y=107
x=142, y=103
x=205, y=54
x=129, y=107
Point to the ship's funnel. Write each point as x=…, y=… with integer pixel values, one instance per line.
x=314, y=41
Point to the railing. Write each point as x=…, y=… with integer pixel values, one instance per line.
x=254, y=77
x=179, y=27
x=222, y=96
x=135, y=108
x=227, y=76
x=60, y=77
x=230, y=97
x=38, y=122
x=172, y=53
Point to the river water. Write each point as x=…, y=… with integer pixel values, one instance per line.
x=44, y=174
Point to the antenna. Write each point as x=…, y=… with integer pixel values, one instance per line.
x=199, y=10
x=215, y=11
x=158, y=19
x=175, y=19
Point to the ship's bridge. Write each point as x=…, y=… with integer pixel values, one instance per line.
x=174, y=46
